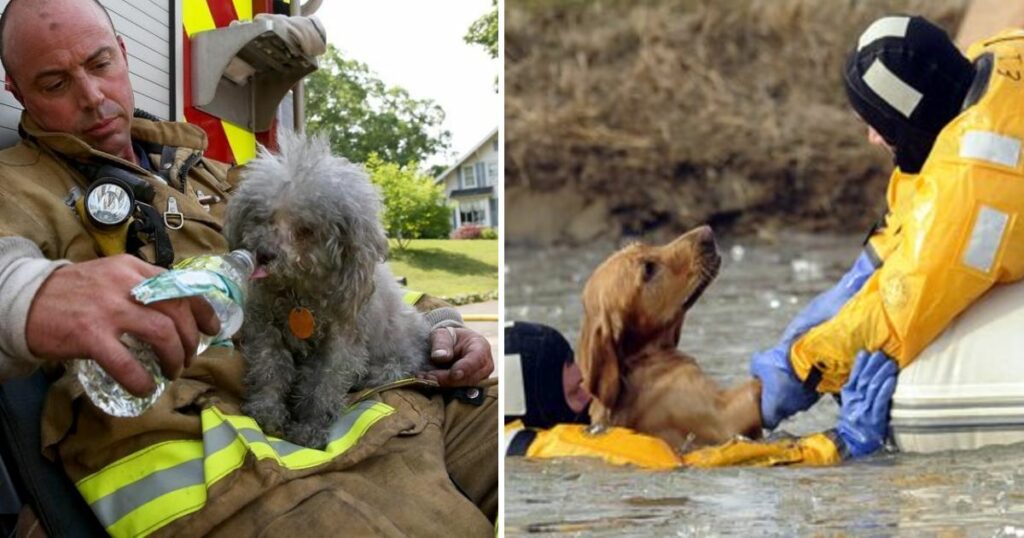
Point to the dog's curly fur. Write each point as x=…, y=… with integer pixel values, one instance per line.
x=312, y=219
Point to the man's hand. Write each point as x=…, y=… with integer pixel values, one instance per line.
x=866, y=397
x=463, y=354
x=82, y=310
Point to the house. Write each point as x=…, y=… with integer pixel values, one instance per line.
x=471, y=185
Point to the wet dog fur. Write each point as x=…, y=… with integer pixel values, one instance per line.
x=634, y=306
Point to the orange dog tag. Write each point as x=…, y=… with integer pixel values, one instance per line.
x=301, y=322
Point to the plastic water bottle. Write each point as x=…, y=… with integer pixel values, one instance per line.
x=220, y=279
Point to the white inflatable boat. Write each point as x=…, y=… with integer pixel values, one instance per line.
x=966, y=390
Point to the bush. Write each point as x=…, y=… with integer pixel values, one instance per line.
x=414, y=207
x=468, y=231
x=488, y=233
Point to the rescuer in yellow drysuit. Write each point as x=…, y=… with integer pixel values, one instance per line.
x=952, y=230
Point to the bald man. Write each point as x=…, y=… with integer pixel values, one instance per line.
x=60, y=299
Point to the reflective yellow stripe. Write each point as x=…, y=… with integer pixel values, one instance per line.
x=161, y=511
x=136, y=466
x=411, y=297
x=144, y=491
x=345, y=433
x=196, y=16
x=242, y=142
x=243, y=8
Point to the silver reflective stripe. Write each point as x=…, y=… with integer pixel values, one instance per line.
x=991, y=147
x=515, y=392
x=113, y=507
x=986, y=236
x=886, y=27
x=891, y=88
x=341, y=427
x=215, y=439
x=283, y=448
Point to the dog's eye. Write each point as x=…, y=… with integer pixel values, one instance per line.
x=650, y=269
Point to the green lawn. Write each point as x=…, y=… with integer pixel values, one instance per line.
x=448, y=268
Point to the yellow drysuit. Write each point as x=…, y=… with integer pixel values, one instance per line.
x=955, y=234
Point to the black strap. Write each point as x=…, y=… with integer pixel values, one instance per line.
x=521, y=442
x=982, y=74
x=873, y=257
x=166, y=162
x=149, y=223
x=813, y=378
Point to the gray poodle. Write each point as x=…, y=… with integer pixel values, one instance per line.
x=324, y=315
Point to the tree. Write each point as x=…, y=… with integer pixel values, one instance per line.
x=361, y=115
x=414, y=207
x=484, y=31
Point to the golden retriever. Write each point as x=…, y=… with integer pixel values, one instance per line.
x=633, y=307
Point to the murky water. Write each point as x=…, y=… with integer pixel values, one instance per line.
x=760, y=287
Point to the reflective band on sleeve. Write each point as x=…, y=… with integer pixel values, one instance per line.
x=891, y=89
x=144, y=491
x=144, y=506
x=886, y=27
x=986, y=236
x=515, y=392
x=991, y=147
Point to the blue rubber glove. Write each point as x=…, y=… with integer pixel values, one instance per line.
x=782, y=393
x=866, y=398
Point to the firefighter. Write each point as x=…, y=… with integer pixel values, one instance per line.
x=952, y=228
x=401, y=456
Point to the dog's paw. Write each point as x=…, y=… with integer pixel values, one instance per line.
x=307, y=435
x=271, y=416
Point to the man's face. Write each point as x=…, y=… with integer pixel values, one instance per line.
x=876, y=139
x=572, y=384
x=71, y=72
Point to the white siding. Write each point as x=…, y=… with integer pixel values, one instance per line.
x=480, y=160
x=145, y=26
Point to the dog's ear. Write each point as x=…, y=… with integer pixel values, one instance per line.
x=598, y=356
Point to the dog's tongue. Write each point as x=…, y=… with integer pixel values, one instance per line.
x=260, y=272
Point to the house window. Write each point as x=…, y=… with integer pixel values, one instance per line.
x=492, y=173
x=473, y=212
x=481, y=175
x=468, y=177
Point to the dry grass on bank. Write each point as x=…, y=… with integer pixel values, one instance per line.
x=675, y=113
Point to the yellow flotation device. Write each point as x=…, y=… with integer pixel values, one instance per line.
x=623, y=446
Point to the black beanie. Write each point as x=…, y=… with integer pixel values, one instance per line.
x=543, y=353
x=907, y=80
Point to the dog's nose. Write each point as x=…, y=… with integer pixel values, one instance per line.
x=705, y=237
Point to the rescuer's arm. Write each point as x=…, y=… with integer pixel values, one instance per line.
x=951, y=252
x=782, y=393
